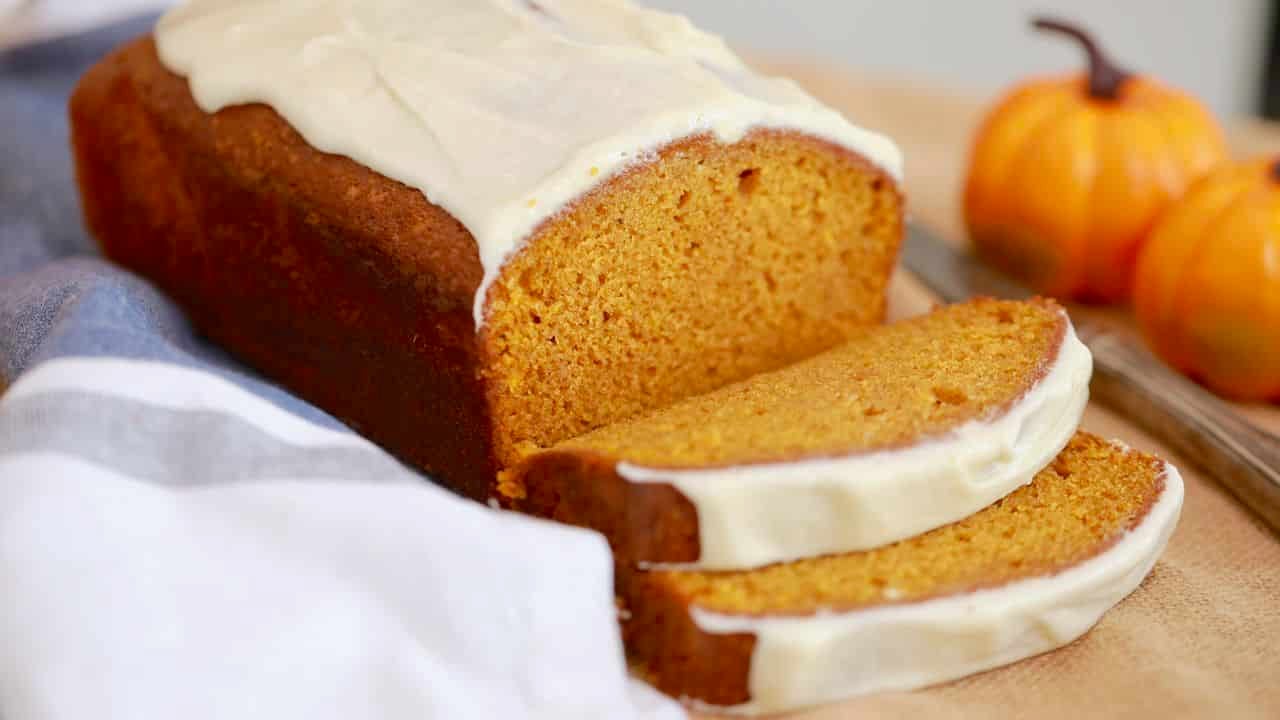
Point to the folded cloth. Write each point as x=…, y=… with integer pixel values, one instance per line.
x=181, y=538
x=24, y=21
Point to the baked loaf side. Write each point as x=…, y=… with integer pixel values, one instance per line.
x=701, y=265
x=901, y=429
x=349, y=288
x=1028, y=574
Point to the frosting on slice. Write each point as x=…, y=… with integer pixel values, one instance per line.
x=499, y=111
x=807, y=660
x=753, y=515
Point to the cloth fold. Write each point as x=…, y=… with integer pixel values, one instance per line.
x=25, y=21
x=179, y=537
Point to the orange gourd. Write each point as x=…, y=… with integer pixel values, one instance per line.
x=1207, y=288
x=1068, y=174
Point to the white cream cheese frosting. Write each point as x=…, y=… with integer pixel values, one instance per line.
x=499, y=111
x=754, y=515
x=803, y=661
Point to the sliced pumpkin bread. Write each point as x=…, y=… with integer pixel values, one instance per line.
x=1028, y=574
x=902, y=429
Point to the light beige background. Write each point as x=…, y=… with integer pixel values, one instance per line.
x=1213, y=48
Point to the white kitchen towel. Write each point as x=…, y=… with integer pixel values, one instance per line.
x=173, y=546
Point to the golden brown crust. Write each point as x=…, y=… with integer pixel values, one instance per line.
x=668, y=649
x=644, y=522
x=350, y=288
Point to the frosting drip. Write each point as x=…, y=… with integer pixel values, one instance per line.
x=499, y=111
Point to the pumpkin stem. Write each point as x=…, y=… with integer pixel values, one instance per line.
x=1275, y=170
x=1105, y=78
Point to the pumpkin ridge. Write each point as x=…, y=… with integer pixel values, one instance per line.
x=1229, y=366
x=1168, y=103
x=1156, y=114
x=1156, y=119
x=1183, y=294
x=1089, y=268
x=990, y=184
x=1156, y=290
x=1029, y=158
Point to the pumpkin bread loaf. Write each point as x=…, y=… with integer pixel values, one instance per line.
x=704, y=263
x=902, y=429
x=567, y=255
x=1030, y=573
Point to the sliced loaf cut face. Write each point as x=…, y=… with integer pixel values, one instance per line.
x=1031, y=573
x=904, y=428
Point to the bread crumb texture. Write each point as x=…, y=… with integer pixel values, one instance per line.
x=889, y=386
x=719, y=262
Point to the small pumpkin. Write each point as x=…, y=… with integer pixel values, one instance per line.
x=1068, y=174
x=1207, y=287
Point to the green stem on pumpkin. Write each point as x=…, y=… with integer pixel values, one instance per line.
x=1105, y=78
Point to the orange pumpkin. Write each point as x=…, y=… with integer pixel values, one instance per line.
x=1068, y=174
x=1207, y=287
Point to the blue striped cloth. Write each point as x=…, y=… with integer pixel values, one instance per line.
x=180, y=537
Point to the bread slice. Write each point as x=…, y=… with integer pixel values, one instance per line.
x=1028, y=574
x=904, y=428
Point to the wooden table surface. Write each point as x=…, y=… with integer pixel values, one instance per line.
x=1208, y=663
